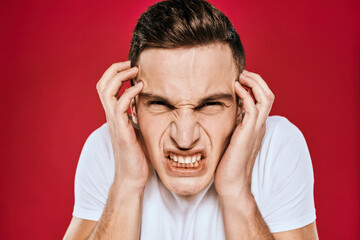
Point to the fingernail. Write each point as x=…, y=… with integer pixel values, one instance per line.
x=237, y=84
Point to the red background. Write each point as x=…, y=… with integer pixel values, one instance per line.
x=53, y=54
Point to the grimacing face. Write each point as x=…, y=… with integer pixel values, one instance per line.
x=186, y=112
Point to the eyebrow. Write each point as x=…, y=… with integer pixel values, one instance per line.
x=212, y=97
x=218, y=96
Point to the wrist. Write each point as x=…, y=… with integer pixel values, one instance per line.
x=243, y=202
x=242, y=218
x=237, y=190
x=131, y=183
x=124, y=189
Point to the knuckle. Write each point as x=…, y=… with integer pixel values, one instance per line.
x=271, y=97
x=98, y=87
x=103, y=92
x=256, y=75
x=268, y=104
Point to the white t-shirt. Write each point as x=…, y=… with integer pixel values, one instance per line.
x=282, y=184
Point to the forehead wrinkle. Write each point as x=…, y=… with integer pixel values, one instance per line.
x=191, y=59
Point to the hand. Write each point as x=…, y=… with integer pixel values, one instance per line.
x=233, y=174
x=131, y=165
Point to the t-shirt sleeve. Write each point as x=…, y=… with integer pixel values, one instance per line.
x=93, y=176
x=288, y=201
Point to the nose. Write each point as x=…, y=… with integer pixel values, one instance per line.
x=185, y=130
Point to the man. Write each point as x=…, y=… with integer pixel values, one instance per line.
x=199, y=158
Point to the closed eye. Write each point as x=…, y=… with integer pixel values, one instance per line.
x=160, y=104
x=210, y=104
x=214, y=103
x=156, y=102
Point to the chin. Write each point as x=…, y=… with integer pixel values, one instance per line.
x=185, y=186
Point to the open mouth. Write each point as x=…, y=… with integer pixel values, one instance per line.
x=190, y=162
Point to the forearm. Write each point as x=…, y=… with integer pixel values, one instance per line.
x=242, y=218
x=121, y=217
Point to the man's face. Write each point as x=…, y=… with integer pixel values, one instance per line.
x=186, y=112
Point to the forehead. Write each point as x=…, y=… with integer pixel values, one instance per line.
x=185, y=73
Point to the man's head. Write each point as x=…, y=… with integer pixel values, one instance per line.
x=189, y=57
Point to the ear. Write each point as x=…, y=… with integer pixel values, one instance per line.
x=134, y=116
x=240, y=112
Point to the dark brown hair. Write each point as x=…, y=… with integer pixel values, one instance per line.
x=184, y=23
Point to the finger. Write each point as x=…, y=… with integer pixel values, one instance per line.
x=256, y=89
x=259, y=80
x=122, y=106
x=264, y=100
x=110, y=72
x=112, y=88
x=251, y=112
x=109, y=95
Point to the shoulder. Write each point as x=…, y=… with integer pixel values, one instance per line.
x=283, y=149
x=97, y=154
x=282, y=134
x=99, y=142
x=281, y=127
x=94, y=175
x=283, y=177
x=99, y=135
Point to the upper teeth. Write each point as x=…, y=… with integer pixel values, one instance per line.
x=185, y=159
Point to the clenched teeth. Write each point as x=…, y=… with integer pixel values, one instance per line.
x=185, y=161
